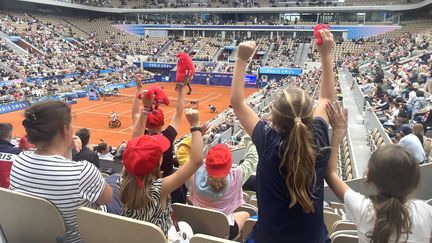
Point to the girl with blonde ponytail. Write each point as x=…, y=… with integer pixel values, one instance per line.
x=388, y=215
x=292, y=158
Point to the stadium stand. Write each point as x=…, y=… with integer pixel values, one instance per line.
x=389, y=76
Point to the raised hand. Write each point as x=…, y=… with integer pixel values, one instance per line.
x=245, y=50
x=192, y=115
x=205, y=127
x=338, y=117
x=147, y=102
x=138, y=80
x=325, y=49
x=76, y=143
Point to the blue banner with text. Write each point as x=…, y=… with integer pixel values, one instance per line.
x=14, y=106
x=280, y=71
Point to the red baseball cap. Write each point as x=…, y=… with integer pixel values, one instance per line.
x=219, y=161
x=160, y=96
x=155, y=119
x=24, y=144
x=143, y=154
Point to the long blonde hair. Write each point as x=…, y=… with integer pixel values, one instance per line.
x=131, y=195
x=292, y=115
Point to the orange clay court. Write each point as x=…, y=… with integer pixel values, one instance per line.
x=95, y=115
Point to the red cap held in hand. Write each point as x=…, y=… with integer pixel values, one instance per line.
x=219, y=161
x=143, y=154
x=317, y=35
x=159, y=95
x=184, y=64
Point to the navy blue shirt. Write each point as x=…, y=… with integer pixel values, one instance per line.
x=277, y=222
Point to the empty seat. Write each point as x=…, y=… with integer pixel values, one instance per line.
x=344, y=236
x=202, y=220
x=96, y=226
x=25, y=218
x=247, y=228
x=329, y=219
x=200, y=238
x=343, y=225
x=253, y=202
x=427, y=145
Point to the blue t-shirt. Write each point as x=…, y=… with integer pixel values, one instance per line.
x=277, y=222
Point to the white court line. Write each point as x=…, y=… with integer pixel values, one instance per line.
x=100, y=106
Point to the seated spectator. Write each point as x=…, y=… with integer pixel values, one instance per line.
x=119, y=151
x=104, y=151
x=412, y=143
x=388, y=215
x=183, y=151
x=8, y=153
x=67, y=184
x=217, y=186
x=85, y=153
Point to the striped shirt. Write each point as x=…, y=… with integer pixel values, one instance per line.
x=153, y=212
x=69, y=185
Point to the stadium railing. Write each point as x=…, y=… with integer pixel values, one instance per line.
x=359, y=185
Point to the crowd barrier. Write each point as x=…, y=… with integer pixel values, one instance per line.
x=71, y=75
x=423, y=192
x=371, y=121
x=359, y=97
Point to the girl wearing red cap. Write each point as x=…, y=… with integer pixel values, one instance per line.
x=292, y=154
x=217, y=186
x=154, y=125
x=144, y=194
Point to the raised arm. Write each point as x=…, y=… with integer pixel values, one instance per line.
x=140, y=123
x=175, y=121
x=338, y=119
x=244, y=113
x=174, y=181
x=135, y=104
x=327, y=86
x=250, y=160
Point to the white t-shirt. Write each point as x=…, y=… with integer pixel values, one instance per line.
x=68, y=184
x=359, y=209
x=412, y=143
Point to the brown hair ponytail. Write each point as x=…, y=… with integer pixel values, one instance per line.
x=292, y=114
x=391, y=216
x=396, y=174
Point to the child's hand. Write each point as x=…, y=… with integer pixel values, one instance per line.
x=245, y=50
x=205, y=127
x=138, y=81
x=338, y=117
x=192, y=116
x=325, y=49
x=147, y=102
x=76, y=143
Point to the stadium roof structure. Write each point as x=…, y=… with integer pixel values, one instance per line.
x=390, y=7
